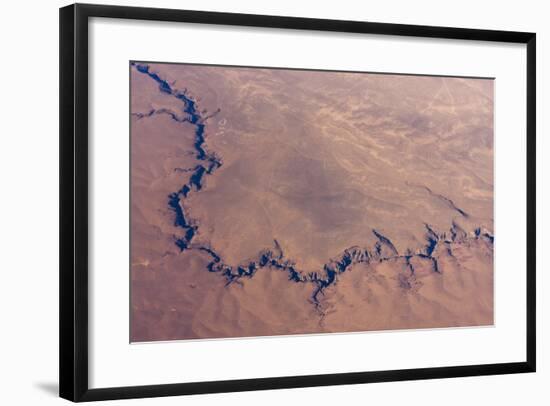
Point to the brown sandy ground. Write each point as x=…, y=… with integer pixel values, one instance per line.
x=315, y=161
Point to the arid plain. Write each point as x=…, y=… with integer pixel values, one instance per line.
x=271, y=201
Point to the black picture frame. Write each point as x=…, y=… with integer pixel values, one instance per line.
x=73, y=280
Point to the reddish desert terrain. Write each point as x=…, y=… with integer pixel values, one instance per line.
x=271, y=201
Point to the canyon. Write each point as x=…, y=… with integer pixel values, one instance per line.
x=255, y=213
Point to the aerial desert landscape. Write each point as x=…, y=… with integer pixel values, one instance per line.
x=276, y=202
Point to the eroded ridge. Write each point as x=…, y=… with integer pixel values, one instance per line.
x=274, y=258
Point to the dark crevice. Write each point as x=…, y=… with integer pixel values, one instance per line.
x=212, y=161
x=383, y=242
x=448, y=201
x=168, y=112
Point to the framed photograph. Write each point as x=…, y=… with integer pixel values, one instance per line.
x=257, y=202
